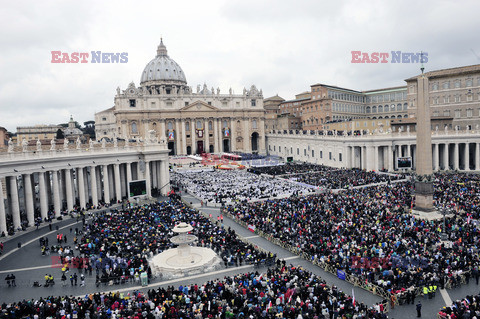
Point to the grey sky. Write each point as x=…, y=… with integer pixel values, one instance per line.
x=280, y=46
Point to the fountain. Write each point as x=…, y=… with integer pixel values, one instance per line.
x=185, y=259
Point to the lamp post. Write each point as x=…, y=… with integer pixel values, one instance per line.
x=443, y=235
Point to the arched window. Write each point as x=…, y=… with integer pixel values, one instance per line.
x=405, y=106
x=374, y=109
x=368, y=109
x=210, y=125
x=399, y=107
x=225, y=124
x=170, y=125
x=199, y=125
x=254, y=124
x=380, y=109
x=187, y=126
x=134, y=128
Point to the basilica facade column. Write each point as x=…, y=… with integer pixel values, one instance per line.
x=261, y=137
x=162, y=131
x=207, y=136
x=215, y=136
x=246, y=136
x=184, y=139
x=154, y=174
x=29, y=199
x=192, y=128
x=233, y=134
x=390, y=165
x=352, y=157
x=446, y=157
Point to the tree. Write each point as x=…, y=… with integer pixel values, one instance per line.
x=60, y=135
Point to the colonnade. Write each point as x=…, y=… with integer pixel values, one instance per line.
x=44, y=185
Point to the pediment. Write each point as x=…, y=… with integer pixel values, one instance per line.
x=198, y=106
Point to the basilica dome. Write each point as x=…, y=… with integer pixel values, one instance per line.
x=163, y=68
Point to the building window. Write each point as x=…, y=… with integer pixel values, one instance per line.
x=210, y=125
x=187, y=126
x=339, y=157
x=469, y=113
x=153, y=104
x=254, y=124
x=321, y=154
x=435, y=86
x=186, y=103
x=209, y=103
x=225, y=123
x=468, y=83
x=170, y=125
x=134, y=128
x=457, y=84
x=446, y=113
x=330, y=155
x=446, y=85
x=132, y=103
x=469, y=97
x=199, y=125
x=298, y=151
x=457, y=113
x=254, y=103
x=313, y=153
x=104, y=118
x=457, y=98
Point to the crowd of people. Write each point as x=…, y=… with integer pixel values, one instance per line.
x=467, y=308
x=326, y=177
x=282, y=292
x=367, y=233
x=117, y=244
x=220, y=186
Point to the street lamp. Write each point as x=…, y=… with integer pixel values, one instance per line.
x=443, y=235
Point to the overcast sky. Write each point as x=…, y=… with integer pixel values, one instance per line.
x=281, y=46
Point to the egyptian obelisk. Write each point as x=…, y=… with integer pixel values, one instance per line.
x=424, y=180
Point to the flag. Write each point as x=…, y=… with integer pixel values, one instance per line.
x=269, y=305
x=251, y=228
x=353, y=296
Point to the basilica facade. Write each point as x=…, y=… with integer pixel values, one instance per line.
x=189, y=122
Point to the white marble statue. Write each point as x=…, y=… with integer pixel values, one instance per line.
x=39, y=145
x=104, y=142
x=24, y=145
x=10, y=145
x=65, y=144
x=79, y=143
x=115, y=142
x=52, y=144
x=91, y=144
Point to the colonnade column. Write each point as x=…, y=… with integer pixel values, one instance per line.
x=93, y=185
x=466, y=156
x=106, y=185
x=477, y=156
x=154, y=174
x=56, y=194
x=163, y=179
x=352, y=157
x=446, y=157
x=43, y=195
x=129, y=177
x=15, y=208
x=455, y=157
x=215, y=136
x=3, y=217
x=81, y=187
x=28, y=195
x=246, y=137
x=390, y=165
x=69, y=188
x=148, y=179
x=435, y=157
x=118, y=185
x=375, y=158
